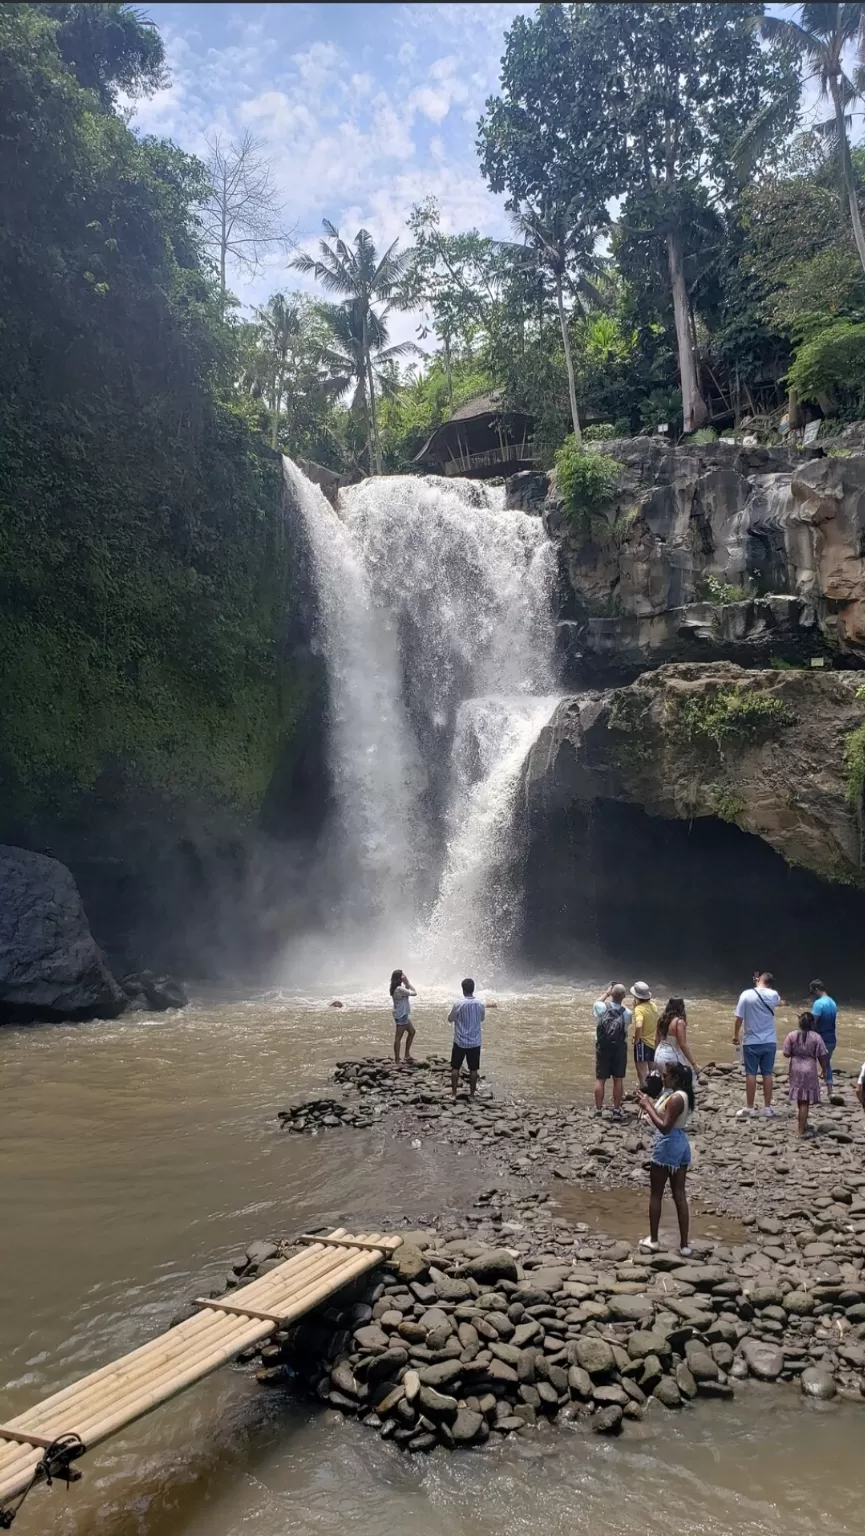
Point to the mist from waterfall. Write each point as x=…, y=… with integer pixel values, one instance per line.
x=436, y=626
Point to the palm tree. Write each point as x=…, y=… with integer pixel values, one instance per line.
x=357, y=354
x=280, y=323
x=365, y=280
x=559, y=242
x=821, y=37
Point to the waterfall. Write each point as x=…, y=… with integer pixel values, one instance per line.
x=436, y=624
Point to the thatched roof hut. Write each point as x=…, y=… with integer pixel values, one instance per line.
x=480, y=440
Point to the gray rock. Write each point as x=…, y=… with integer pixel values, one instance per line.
x=608, y=1421
x=466, y=1426
x=685, y=1380
x=818, y=1382
x=260, y=1251
x=668, y=1393
x=702, y=1366
x=410, y=1263
x=371, y=1337
x=610, y=1394
x=50, y=965
x=442, y=1374
x=343, y=1378
x=437, y=1404
x=579, y=1381
x=641, y=1344
x=411, y=1384
x=491, y=1265
x=766, y=1361
x=631, y=1309
x=384, y=1366
x=595, y=1356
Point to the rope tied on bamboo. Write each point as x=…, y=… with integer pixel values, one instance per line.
x=56, y=1462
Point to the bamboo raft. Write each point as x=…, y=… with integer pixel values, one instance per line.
x=102, y=1404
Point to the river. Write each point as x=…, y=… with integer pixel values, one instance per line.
x=138, y=1157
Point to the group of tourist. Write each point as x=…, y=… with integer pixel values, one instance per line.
x=665, y=1066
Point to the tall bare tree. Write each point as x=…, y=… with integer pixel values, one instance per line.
x=242, y=215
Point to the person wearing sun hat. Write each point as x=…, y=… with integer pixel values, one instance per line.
x=645, y=1025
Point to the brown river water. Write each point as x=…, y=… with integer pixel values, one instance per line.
x=138, y=1157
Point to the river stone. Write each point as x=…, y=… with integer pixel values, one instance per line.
x=434, y=1317
x=668, y=1393
x=651, y=1373
x=819, y=1383
x=343, y=1378
x=411, y=1384
x=260, y=1251
x=385, y=1405
x=764, y=1296
x=442, y=1374
x=425, y=1441
x=595, y=1356
x=491, y=1265
x=466, y=1426
x=437, y=1403
x=411, y=1331
x=451, y=1289
x=685, y=1380
x=50, y=965
x=608, y=1421
x=610, y=1394
x=509, y=1354
x=702, y=1276
x=766, y=1361
x=371, y=1337
x=526, y=1333
x=438, y=1337
x=642, y=1343
x=389, y=1363
x=498, y=1371
x=579, y=1381
x=410, y=1263
x=702, y=1366
x=799, y=1303
x=631, y=1309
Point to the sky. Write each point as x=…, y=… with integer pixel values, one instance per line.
x=364, y=109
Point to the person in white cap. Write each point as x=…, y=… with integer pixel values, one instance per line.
x=645, y=1026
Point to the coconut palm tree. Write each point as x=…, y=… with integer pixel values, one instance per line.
x=365, y=280
x=356, y=355
x=821, y=37
x=559, y=242
x=280, y=323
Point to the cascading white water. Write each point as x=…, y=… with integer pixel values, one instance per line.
x=436, y=618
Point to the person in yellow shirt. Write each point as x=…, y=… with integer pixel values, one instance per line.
x=645, y=1026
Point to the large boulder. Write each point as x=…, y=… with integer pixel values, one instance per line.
x=765, y=750
x=50, y=966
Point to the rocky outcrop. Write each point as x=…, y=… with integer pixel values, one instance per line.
x=766, y=750
x=50, y=967
x=714, y=552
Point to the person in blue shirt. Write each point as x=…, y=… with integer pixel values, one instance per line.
x=825, y=1011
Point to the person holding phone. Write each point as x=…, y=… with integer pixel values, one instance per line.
x=401, y=993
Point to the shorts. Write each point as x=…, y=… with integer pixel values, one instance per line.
x=402, y=1023
x=759, y=1060
x=643, y=1052
x=672, y=1149
x=470, y=1054
x=611, y=1060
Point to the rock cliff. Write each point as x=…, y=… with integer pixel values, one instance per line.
x=773, y=752
x=711, y=552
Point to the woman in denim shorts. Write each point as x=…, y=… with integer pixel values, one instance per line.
x=671, y=1152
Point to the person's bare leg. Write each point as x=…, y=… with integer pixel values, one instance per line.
x=642, y=1072
x=396, y=1046
x=618, y=1092
x=657, y=1180
x=768, y=1089
x=455, y=1082
x=680, y=1200
x=409, y=1037
x=803, y=1107
x=473, y=1083
x=600, y=1090
x=750, y=1091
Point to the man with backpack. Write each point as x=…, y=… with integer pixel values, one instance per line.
x=612, y=1020
x=755, y=1013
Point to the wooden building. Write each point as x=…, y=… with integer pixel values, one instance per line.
x=479, y=440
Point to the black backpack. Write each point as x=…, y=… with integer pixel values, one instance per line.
x=613, y=1027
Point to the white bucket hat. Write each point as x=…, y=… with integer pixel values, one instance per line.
x=641, y=990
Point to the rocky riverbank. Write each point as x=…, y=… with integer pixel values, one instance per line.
x=503, y=1319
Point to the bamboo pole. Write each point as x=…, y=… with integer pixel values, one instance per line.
x=117, y=1394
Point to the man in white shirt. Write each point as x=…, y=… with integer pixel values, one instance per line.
x=467, y=1015
x=755, y=1013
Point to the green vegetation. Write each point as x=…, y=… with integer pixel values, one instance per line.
x=832, y=366
x=854, y=767
x=143, y=555
x=728, y=717
x=586, y=481
x=713, y=590
x=728, y=805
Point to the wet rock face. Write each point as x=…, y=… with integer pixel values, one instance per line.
x=50, y=965
x=787, y=527
x=774, y=766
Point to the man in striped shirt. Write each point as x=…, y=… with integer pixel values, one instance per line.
x=466, y=1016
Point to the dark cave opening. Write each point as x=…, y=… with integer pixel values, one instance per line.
x=610, y=888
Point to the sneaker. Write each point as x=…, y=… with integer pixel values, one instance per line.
x=686, y=1252
x=649, y=1245
x=618, y=1114
x=744, y=1112
x=769, y=1112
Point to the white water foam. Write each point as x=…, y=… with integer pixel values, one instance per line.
x=436, y=623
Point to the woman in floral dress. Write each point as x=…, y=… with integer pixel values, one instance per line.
x=806, y=1052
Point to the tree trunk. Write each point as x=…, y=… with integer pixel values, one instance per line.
x=375, y=446
x=448, y=372
x=847, y=166
x=569, y=363
x=694, y=411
